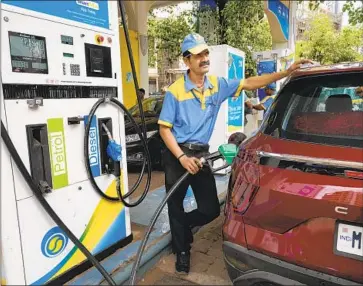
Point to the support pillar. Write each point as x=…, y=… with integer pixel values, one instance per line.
x=281, y=17
x=136, y=12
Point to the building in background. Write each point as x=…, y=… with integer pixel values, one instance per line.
x=153, y=80
x=173, y=74
x=304, y=15
x=153, y=74
x=164, y=73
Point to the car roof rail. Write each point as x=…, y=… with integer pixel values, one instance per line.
x=310, y=65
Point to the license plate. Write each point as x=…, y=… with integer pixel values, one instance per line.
x=349, y=240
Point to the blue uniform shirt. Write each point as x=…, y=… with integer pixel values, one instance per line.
x=267, y=102
x=192, y=117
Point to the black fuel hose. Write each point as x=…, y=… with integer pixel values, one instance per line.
x=38, y=194
x=139, y=100
x=132, y=63
x=120, y=197
x=150, y=227
x=142, y=137
x=158, y=211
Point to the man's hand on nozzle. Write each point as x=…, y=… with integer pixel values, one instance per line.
x=191, y=164
x=296, y=65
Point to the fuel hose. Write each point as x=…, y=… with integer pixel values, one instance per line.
x=139, y=99
x=146, y=161
x=38, y=194
x=157, y=213
x=140, y=251
x=120, y=197
x=142, y=136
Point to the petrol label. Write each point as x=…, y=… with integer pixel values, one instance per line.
x=93, y=147
x=57, y=150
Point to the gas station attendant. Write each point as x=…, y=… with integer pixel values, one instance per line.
x=186, y=122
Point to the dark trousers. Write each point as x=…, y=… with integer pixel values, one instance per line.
x=205, y=193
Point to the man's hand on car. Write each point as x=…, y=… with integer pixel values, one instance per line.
x=296, y=65
x=191, y=164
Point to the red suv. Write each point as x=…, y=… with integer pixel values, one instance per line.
x=294, y=209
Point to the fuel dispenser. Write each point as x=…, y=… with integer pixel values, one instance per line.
x=58, y=59
x=227, y=62
x=270, y=62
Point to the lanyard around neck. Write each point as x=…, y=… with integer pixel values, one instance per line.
x=202, y=103
x=195, y=96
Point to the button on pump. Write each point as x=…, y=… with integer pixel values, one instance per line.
x=99, y=39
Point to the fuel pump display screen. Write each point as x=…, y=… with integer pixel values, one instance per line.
x=28, y=53
x=98, y=61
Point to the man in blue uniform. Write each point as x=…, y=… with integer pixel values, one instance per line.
x=267, y=101
x=186, y=122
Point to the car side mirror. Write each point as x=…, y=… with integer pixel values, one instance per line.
x=229, y=152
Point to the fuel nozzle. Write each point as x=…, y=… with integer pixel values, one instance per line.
x=113, y=151
x=226, y=152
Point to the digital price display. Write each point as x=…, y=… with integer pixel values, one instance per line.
x=28, y=53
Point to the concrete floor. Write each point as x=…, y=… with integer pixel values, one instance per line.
x=157, y=181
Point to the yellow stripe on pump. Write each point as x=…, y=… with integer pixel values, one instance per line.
x=103, y=217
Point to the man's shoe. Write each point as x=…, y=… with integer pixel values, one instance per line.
x=182, y=265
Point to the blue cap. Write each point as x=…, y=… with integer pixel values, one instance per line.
x=271, y=86
x=194, y=43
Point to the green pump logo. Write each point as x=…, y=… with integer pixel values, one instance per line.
x=54, y=242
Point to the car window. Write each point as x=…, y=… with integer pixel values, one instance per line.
x=353, y=92
x=151, y=106
x=324, y=109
